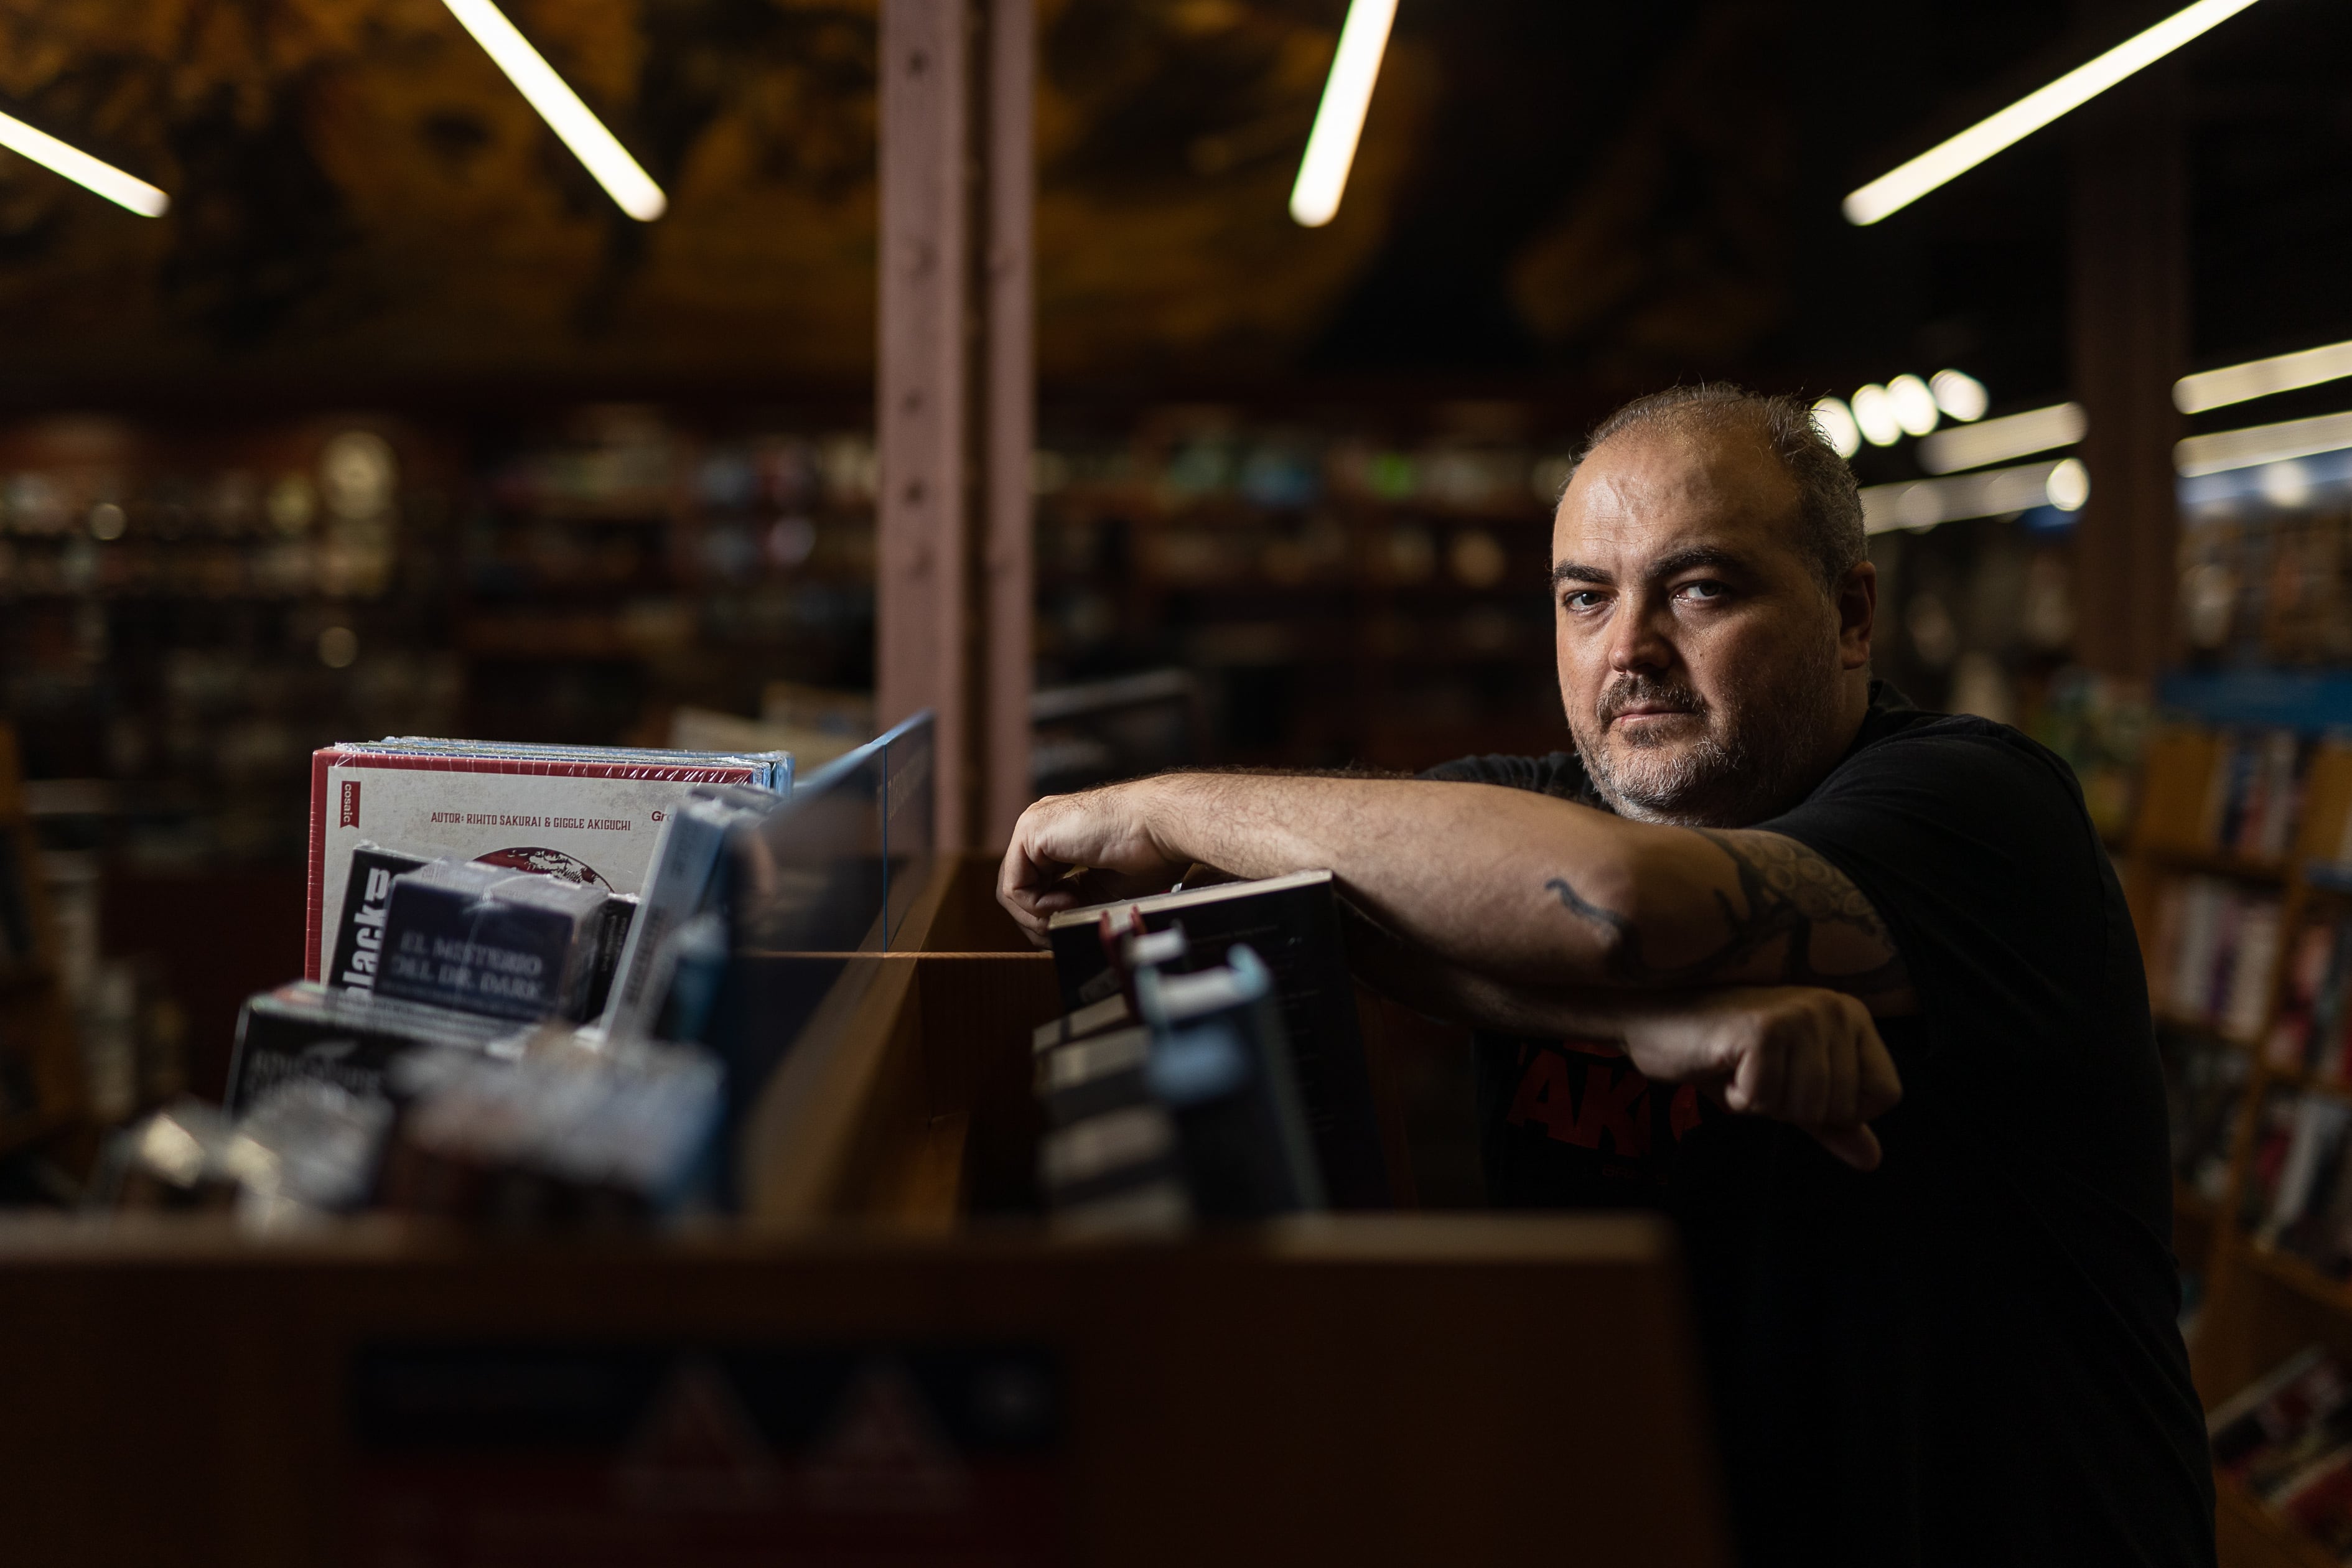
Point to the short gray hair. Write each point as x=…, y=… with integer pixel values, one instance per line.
x=1829, y=505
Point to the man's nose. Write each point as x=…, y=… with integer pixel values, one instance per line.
x=1637, y=638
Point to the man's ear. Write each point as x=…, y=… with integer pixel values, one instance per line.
x=1857, y=608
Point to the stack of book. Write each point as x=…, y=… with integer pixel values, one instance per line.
x=2216, y=943
x=505, y=1009
x=1193, y=1078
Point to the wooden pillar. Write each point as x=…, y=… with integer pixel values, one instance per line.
x=2128, y=308
x=952, y=574
x=1009, y=402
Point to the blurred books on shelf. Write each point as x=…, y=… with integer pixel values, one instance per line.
x=2285, y=1441
x=2298, y=1196
x=2308, y=1034
x=2099, y=725
x=2205, y=1084
x=2216, y=942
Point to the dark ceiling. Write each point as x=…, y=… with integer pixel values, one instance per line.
x=1552, y=195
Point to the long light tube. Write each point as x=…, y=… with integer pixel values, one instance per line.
x=1923, y=504
x=1339, y=121
x=1999, y=440
x=627, y=184
x=83, y=170
x=2261, y=377
x=1899, y=187
x=2225, y=450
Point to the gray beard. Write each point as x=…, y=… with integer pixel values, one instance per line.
x=1741, y=772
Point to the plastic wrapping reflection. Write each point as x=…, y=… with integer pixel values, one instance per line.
x=907, y=797
x=810, y=888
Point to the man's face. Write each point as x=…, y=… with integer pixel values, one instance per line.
x=1707, y=677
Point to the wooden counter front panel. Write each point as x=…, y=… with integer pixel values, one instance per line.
x=1376, y=1391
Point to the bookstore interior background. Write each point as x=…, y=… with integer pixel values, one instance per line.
x=354, y=391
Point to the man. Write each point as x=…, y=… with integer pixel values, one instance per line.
x=1764, y=901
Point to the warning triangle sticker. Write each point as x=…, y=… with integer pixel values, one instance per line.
x=697, y=1448
x=884, y=1452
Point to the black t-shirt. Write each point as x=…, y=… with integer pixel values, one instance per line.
x=1968, y=1356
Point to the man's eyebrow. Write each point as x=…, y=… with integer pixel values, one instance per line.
x=1691, y=557
x=1668, y=565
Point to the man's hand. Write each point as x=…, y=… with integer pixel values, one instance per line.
x=1795, y=1054
x=1106, y=831
x=1792, y=1053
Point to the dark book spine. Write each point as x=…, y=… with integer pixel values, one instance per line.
x=367, y=901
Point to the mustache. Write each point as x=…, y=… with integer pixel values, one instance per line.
x=1647, y=690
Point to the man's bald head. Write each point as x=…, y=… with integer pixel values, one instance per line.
x=1828, y=507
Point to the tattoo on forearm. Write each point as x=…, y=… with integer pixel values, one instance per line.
x=1787, y=890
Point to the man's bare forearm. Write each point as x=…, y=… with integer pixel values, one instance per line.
x=1456, y=993
x=1526, y=888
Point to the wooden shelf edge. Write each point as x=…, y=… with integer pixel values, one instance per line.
x=2297, y=1275
x=2214, y=862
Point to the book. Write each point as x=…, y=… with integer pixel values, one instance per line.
x=1111, y=1013
x=681, y=884
x=1220, y=1064
x=562, y=1134
x=1292, y=924
x=2317, y=1499
x=2276, y=1409
x=305, y=1030
x=1119, y=1172
x=367, y=900
x=591, y=813
x=2309, y=1035
x=1086, y=1078
x=2204, y=1085
x=483, y=939
x=305, y=1150
x=2253, y=797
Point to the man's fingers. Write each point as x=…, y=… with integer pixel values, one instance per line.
x=1804, y=1098
x=1856, y=1145
x=1878, y=1088
x=1839, y=1107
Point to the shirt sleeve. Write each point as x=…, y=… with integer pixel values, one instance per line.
x=1973, y=845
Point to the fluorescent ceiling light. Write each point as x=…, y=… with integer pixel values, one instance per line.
x=2261, y=377
x=1914, y=405
x=1339, y=122
x=1999, y=440
x=624, y=181
x=1836, y=421
x=2069, y=485
x=1923, y=504
x=1898, y=188
x=2226, y=449
x=1960, y=395
x=1874, y=412
x=82, y=169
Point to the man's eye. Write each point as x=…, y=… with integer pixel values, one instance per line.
x=1704, y=591
x=1581, y=598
